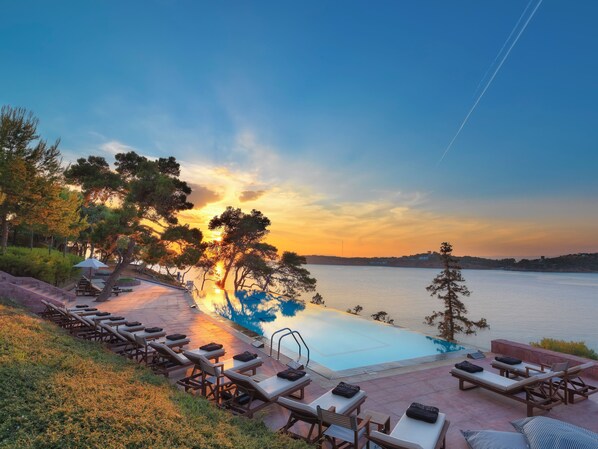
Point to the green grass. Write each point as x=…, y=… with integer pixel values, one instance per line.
x=60, y=392
x=578, y=348
x=54, y=268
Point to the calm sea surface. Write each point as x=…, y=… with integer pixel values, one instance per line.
x=519, y=306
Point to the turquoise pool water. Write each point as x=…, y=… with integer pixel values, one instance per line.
x=337, y=340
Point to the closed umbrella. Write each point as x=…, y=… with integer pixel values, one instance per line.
x=91, y=263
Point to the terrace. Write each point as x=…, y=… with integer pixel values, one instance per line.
x=390, y=391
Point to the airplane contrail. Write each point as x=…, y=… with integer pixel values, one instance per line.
x=504, y=58
x=477, y=89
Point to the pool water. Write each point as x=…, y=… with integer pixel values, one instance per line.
x=338, y=341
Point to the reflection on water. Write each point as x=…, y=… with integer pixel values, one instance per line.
x=444, y=347
x=251, y=309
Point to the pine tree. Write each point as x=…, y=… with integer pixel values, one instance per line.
x=448, y=286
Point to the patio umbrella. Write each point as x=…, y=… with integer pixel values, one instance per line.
x=91, y=263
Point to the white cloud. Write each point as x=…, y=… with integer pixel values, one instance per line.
x=114, y=147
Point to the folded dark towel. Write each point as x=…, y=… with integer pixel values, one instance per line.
x=116, y=318
x=90, y=309
x=291, y=374
x=346, y=390
x=175, y=337
x=211, y=347
x=508, y=360
x=469, y=367
x=102, y=313
x=153, y=330
x=132, y=323
x=245, y=356
x=422, y=412
x=81, y=306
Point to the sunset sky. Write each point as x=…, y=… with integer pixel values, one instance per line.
x=332, y=117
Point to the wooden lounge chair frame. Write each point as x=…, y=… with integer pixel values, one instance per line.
x=300, y=415
x=329, y=418
x=245, y=391
x=213, y=380
x=382, y=439
x=542, y=391
x=576, y=386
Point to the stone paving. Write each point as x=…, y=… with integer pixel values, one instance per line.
x=389, y=392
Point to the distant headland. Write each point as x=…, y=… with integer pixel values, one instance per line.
x=570, y=263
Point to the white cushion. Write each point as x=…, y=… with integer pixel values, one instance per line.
x=415, y=434
x=342, y=433
x=493, y=439
x=548, y=433
x=275, y=386
x=341, y=403
x=500, y=383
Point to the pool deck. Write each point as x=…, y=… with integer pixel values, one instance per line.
x=389, y=391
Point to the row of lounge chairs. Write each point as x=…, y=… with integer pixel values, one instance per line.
x=538, y=386
x=88, y=287
x=234, y=384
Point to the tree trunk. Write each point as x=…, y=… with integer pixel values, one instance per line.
x=222, y=282
x=50, y=241
x=31, y=241
x=4, y=237
x=124, y=261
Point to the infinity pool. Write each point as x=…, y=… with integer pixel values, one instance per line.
x=338, y=341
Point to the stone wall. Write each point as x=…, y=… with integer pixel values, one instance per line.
x=531, y=354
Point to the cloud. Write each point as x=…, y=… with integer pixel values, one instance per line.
x=201, y=195
x=114, y=147
x=250, y=195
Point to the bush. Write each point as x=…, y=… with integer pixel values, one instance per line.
x=578, y=348
x=59, y=392
x=54, y=268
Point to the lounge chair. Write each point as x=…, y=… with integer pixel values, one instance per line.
x=196, y=356
x=308, y=413
x=413, y=434
x=143, y=338
x=249, y=392
x=166, y=360
x=522, y=369
x=213, y=381
x=351, y=432
x=576, y=386
x=541, y=391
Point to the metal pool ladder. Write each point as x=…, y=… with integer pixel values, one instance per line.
x=294, y=334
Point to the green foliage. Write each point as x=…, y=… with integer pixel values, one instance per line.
x=448, y=286
x=318, y=300
x=149, y=194
x=54, y=268
x=578, y=348
x=59, y=392
x=29, y=167
x=241, y=235
x=355, y=310
x=383, y=316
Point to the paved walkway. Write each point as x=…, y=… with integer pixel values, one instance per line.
x=389, y=392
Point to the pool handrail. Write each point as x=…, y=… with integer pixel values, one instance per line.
x=292, y=333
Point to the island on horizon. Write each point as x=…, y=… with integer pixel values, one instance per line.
x=570, y=263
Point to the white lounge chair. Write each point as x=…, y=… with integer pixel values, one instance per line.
x=413, y=434
x=308, y=413
x=248, y=392
x=213, y=380
x=541, y=391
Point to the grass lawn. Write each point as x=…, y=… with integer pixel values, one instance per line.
x=60, y=392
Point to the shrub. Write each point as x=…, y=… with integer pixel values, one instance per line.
x=59, y=392
x=54, y=268
x=578, y=348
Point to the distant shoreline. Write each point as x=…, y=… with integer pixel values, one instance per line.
x=571, y=263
